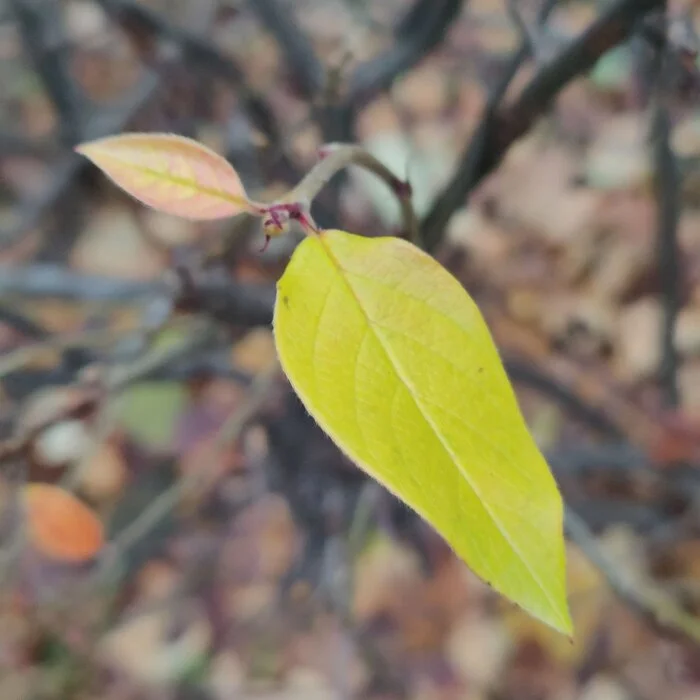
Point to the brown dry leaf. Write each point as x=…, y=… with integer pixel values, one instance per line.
x=326, y=655
x=478, y=649
x=255, y=352
x=422, y=92
x=169, y=230
x=482, y=238
x=22, y=683
x=535, y=189
x=264, y=542
x=226, y=677
x=306, y=142
x=585, y=322
x=689, y=385
x=105, y=475
x=687, y=335
x=603, y=687
x=685, y=139
x=112, y=245
x=637, y=346
x=622, y=264
x=145, y=649
x=383, y=571
x=246, y=603
x=157, y=580
x=619, y=158
x=378, y=117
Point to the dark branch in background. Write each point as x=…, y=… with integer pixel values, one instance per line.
x=475, y=154
x=668, y=196
x=14, y=144
x=422, y=29
x=593, y=417
x=245, y=304
x=508, y=124
x=132, y=15
x=43, y=36
x=22, y=324
x=658, y=610
x=298, y=50
x=106, y=121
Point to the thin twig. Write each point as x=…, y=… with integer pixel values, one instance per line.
x=432, y=228
x=422, y=29
x=668, y=196
x=161, y=506
x=196, y=50
x=339, y=156
x=490, y=143
x=656, y=608
x=44, y=38
x=547, y=384
x=109, y=120
x=297, y=49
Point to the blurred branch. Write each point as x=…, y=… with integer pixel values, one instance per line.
x=43, y=35
x=16, y=144
x=422, y=29
x=109, y=120
x=135, y=15
x=503, y=127
x=667, y=182
x=22, y=324
x=657, y=609
x=296, y=47
x=168, y=500
x=217, y=295
x=337, y=156
x=540, y=380
x=54, y=281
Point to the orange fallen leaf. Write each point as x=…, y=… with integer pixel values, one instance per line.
x=59, y=525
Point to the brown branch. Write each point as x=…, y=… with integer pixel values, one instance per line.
x=667, y=184
x=44, y=39
x=652, y=605
x=495, y=137
x=296, y=46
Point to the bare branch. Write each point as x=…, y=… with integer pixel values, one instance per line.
x=507, y=125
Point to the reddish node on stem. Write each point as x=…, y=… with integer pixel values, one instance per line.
x=266, y=243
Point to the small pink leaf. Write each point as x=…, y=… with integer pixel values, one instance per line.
x=171, y=173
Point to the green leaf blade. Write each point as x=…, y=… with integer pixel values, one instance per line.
x=394, y=361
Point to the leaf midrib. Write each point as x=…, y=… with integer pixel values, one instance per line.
x=183, y=182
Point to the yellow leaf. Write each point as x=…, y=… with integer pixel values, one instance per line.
x=394, y=360
x=59, y=525
x=171, y=173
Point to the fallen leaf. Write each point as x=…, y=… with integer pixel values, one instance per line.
x=59, y=525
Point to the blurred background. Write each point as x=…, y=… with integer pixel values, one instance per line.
x=553, y=149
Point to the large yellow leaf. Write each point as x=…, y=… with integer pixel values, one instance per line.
x=171, y=173
x=393, y=359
